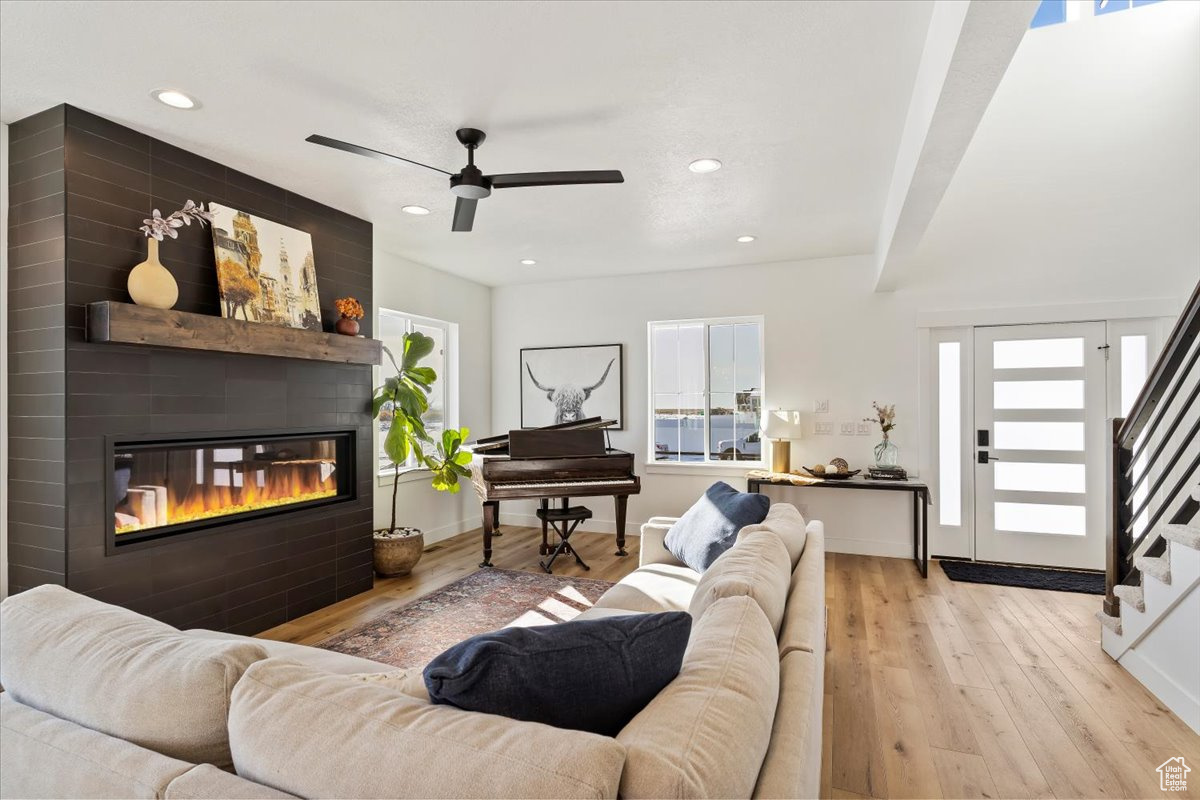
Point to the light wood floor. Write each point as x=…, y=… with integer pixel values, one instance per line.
x=932, y=688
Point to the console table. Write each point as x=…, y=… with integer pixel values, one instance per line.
x=921, y=500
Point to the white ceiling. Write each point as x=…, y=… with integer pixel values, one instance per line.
x=803, y=102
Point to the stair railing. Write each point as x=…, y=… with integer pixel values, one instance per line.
x=1148, y=447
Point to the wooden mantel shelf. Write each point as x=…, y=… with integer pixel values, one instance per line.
x=125, y=323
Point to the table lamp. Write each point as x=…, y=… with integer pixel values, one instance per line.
x=781, y=427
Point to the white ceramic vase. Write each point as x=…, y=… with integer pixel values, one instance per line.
x=150, y=283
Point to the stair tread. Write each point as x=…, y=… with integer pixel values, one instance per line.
x=1158, y=567
x=1186, y=535
x=1133, y=595
x=1110, y=622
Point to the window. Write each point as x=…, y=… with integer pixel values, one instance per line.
x=443, y=399
x=1052, y=12
x=706, y=383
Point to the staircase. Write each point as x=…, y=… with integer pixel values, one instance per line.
x=1151, y=613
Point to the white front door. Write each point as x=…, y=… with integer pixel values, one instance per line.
x=1039, y=444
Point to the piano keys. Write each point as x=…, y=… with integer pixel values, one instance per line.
x=571, y=459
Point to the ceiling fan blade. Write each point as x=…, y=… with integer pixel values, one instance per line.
x=368, y=152
x=464, y=214
x=515, y=179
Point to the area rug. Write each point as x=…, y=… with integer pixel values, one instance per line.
x=483, y=601
x=1058, y=580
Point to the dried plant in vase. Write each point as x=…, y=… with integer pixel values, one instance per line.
x=150, y=283
x=886, y=452
x=351, y=312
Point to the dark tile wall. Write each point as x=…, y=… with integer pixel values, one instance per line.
x=246, y=576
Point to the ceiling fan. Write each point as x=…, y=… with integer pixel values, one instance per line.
x=469, y=184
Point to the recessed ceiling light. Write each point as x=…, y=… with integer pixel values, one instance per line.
x=419, y=211
x=746, y=239
x=703, y=165
x=529, y=262
x=173, y=98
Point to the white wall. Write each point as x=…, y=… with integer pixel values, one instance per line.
x=403, y=285
x=4, y=361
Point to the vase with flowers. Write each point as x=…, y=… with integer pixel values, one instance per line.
x=886, y=452
x=351, y=311
x=150, y=283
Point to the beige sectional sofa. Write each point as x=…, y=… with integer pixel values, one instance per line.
x=102, y=702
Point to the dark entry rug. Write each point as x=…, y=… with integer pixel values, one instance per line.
x=1058, y=580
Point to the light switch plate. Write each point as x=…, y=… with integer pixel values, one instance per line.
x=847, y=429
x=864, y=429
x=821, y=406
x=821, y=428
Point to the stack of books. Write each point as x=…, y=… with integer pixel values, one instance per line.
x=888, y=474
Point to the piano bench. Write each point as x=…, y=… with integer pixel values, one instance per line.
x=564, y=521
x=572, y=514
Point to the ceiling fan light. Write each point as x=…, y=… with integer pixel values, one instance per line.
x=469, y=192
x=417, y=211
x=746, y=239
x=703, y=165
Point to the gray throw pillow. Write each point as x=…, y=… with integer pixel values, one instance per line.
x=710, y=527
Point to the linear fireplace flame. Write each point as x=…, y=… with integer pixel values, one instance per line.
x=167, y=487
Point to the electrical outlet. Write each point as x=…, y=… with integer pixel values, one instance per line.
x=821, y=406
x=864, y=429
x=847, y=429
x=823, y=428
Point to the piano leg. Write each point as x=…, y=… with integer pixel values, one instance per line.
x=491, y=513
x=622, y=500
x=544, y=550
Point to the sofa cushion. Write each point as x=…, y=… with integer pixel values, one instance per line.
x=710, y=526
x=44, y=756
x=327, y=660
x=206, y=782
x=314, y=734
x=652, y=588
x=804, y=617
x=120, y=673
x=792, y=767
x=705, y=735
x=590, y=675
x=757, y=567
x=785, y=521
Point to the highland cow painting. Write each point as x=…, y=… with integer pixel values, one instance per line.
x=265, y=270
x=567, y=384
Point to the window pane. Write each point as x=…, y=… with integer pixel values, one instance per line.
x=691, y=427
x=746, y=426
x=1037, y=394
x=720, y=359
x=435, y=417
x=747, y=358
x=1041, y=518
x=666, y=427
x=1134, y=368
x=949, y=434
x=1039, y=435
x=665, y=347
x=722, y=437
x=1020, y=476
x=1028, y=353
x=691, y=359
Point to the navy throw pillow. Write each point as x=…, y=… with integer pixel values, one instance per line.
x=710, y=527
x=591, y=675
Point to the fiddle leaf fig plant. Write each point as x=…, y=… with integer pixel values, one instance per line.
x=405, y=397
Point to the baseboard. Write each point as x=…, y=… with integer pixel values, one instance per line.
x=1173, y=696
x=868, y=547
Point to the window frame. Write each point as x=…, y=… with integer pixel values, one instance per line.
x=448, y=381
x=708, y=464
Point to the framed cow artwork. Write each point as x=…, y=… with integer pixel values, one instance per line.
x=565, y=384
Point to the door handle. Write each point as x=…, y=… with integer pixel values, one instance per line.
x=984, y=457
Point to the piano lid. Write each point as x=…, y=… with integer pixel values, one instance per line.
x=500, y=443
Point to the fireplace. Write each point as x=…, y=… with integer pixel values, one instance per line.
x=162, y=488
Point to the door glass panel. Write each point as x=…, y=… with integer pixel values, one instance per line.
x=1041, y=518
x=1039, y=436
x=949, y=434
x=1032, y=353
x=1133, y=370
x=1037, y=394
x=1024, y=476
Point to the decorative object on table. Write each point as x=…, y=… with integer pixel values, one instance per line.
x=590, y=675
x=411, y=636
x=150, y=283
x=397, y=551
x=400, y=405
x=351, y=312
x=793, y=478
x=781, y=427
x=265, y=271
x=888, y=473
x=566, y=384
x=886, y=452
x=832, y=471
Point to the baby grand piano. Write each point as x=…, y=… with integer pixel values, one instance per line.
x=571, y=459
